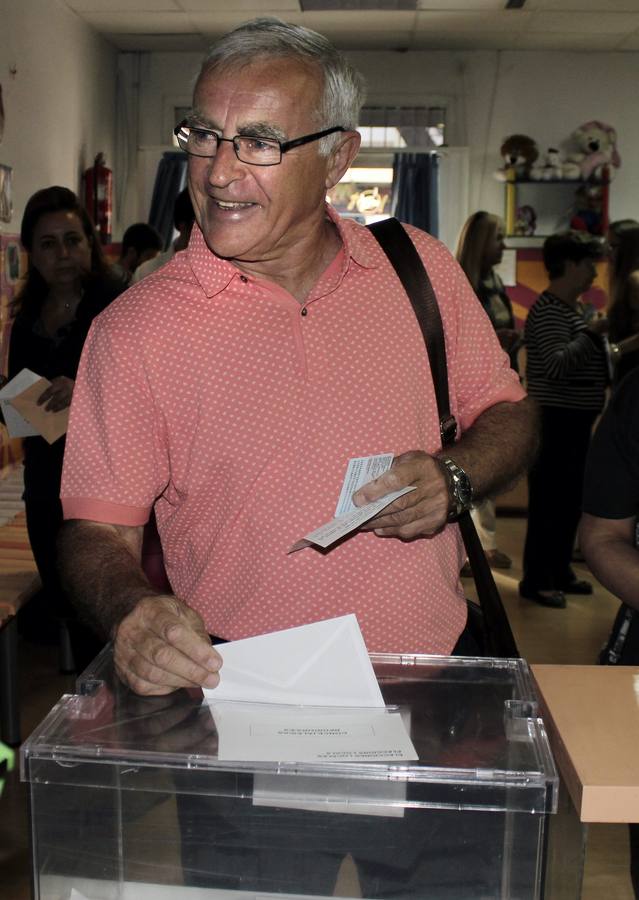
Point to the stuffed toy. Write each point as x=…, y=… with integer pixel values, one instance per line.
x=588, y=214
x=518, y=152
x=525, y=220
x=554, y=168
x=597, y=150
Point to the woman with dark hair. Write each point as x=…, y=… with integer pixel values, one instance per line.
x=66, y=286
x=480, y=249
x=623, y=312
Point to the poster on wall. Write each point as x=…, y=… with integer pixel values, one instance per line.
x=12, y=267
x=6, y=199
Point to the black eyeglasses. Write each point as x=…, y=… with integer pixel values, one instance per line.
x=249, y=148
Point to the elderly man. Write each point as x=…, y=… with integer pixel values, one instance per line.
x=229, y=391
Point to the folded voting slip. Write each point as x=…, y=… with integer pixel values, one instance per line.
x=50, y=425
x=17, y=425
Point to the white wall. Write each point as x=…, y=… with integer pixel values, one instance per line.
x=489, y=95
x=60, y=103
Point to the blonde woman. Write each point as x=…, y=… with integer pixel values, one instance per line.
x=480, y=249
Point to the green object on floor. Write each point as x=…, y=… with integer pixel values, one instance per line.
x=7, y=758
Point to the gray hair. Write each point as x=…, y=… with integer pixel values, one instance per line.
x=267, y=36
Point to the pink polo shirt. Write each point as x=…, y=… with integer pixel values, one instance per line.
x=231, y=408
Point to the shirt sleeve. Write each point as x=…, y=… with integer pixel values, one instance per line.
x=611, y=484
x=116, y=461
x=479, y=371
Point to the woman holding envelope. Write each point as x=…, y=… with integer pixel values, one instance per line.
x=66, y=286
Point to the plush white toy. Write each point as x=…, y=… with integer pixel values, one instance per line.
x=554, y=168
x=597, y=150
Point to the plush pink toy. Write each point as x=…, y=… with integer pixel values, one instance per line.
x=597, y=143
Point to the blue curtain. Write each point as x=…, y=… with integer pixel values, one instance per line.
x=414, y=197
x=169, y=181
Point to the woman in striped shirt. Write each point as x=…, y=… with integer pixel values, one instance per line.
x=567, y=373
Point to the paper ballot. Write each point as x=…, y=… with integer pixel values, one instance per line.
x=348, y=517
x=49, y=424
x=359, y=471
x=250, y=732
x=17, y=425
x=307, y=694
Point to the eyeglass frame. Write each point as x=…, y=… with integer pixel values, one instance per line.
x=284, y=146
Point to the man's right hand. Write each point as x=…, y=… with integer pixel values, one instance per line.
x=162, y=645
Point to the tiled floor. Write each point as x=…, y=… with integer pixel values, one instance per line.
x=573, y=635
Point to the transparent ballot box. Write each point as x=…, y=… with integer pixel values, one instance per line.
x=130, y=800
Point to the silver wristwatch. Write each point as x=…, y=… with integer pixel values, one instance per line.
x=459, y=488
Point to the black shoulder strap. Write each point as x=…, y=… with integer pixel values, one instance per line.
x=404, y=258
x=400, y=250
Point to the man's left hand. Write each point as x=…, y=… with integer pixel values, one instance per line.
x=422, y=511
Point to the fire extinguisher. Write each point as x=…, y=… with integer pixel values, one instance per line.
x=98, y=197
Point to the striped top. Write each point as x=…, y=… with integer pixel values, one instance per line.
x=566, y=364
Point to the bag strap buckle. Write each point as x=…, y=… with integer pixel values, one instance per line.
x=448, y=430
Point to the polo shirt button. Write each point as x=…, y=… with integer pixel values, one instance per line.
x=243, y=278
x=304, y=311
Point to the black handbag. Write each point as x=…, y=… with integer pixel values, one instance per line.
x=489, y=622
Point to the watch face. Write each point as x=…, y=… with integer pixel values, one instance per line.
x=464, y=490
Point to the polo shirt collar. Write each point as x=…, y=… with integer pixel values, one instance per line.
x=215, y=274
x=359, y=244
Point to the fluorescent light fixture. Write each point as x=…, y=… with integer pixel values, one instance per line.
x=345, y=5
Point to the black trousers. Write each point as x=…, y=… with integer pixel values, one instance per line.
x=555, y=485
x=40, y=617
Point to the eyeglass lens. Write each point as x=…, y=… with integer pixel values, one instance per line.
x=257, y=151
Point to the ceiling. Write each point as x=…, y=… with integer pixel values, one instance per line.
x=583, y=25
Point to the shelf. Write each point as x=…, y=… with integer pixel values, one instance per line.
x=553, y=210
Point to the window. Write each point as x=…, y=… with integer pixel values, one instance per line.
x=365, y=191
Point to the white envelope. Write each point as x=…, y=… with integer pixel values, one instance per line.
x=17, y=425
x=322, y=664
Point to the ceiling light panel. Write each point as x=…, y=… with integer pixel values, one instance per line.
x=585, y=23
x=455, y=22
x=246, y=9
x=345, y=5
x=597, y=6
x=465, y=6
x=123, y=6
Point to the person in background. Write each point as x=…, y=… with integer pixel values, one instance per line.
x=623, y=309
x=229, y=391
x=567, y=373
x=140, y=243
x=183, y=218
x=608, y=530
x=480, y=249
x=66, y=286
